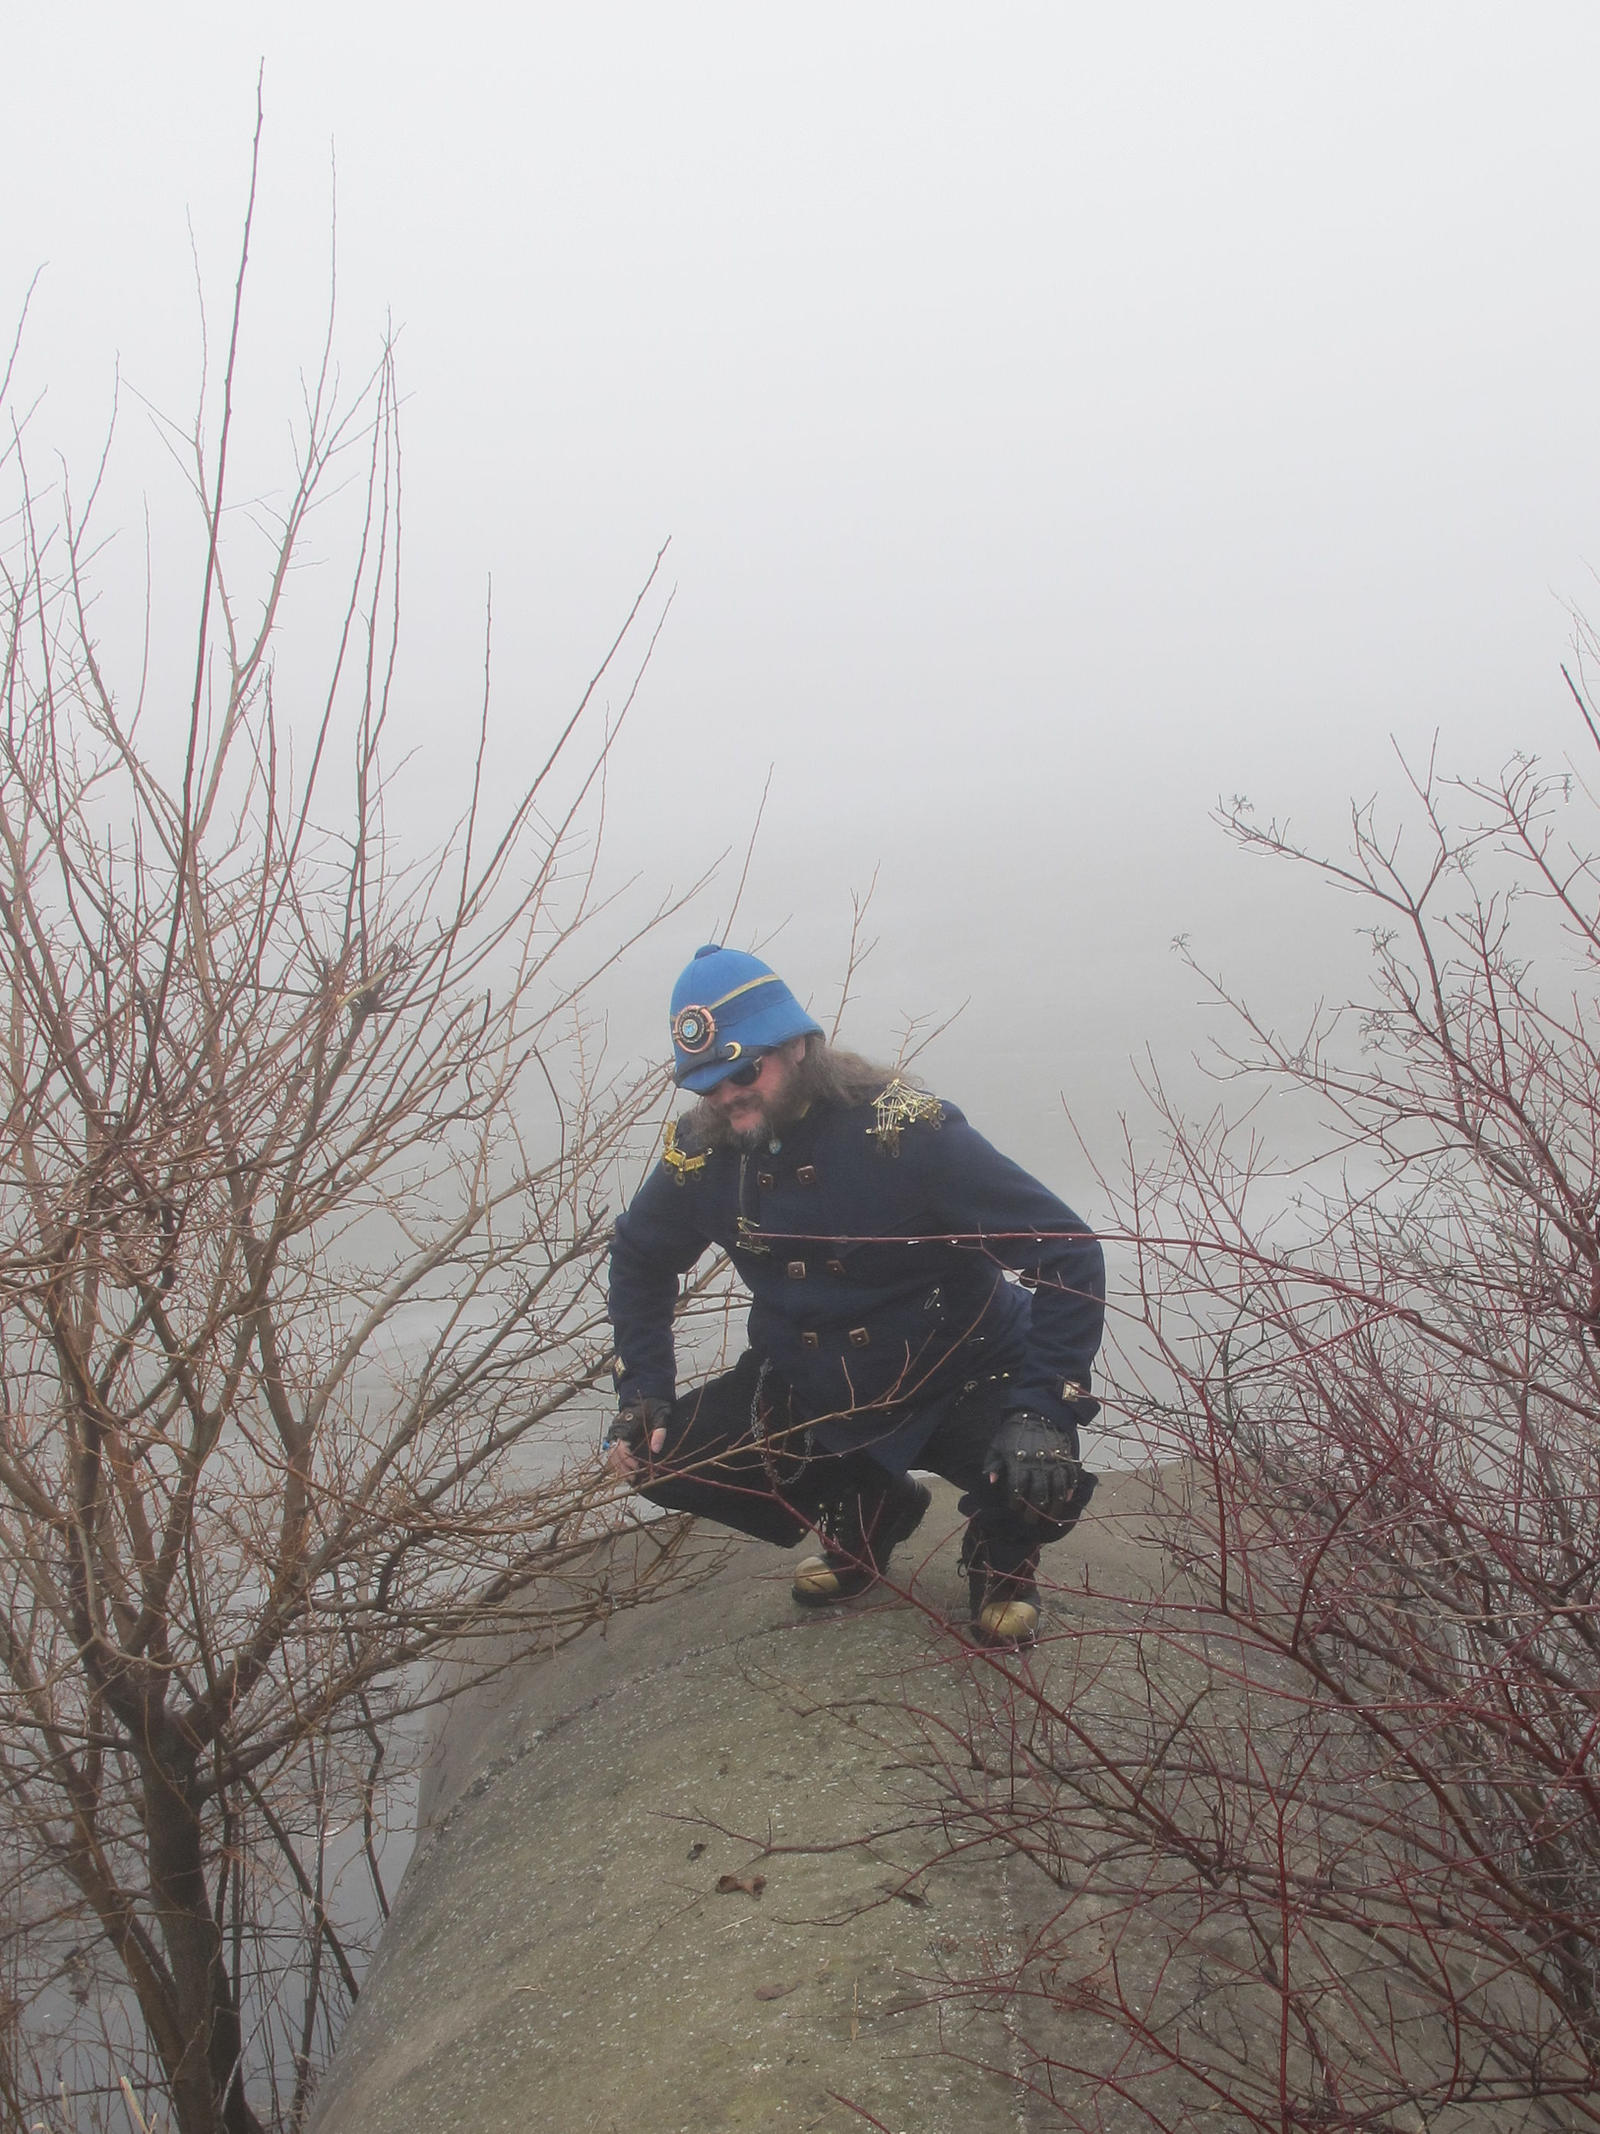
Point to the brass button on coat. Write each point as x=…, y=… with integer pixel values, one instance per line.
x=859, y=1337
x=834, y=1266
x=807, y=1174
x=796, y=1270
x=810, y=1341
x=766, y=1180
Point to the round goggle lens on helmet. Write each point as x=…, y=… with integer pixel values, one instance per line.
x=693, y=1029
x=742, y=1077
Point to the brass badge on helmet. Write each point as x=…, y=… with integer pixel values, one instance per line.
x=694, y=1029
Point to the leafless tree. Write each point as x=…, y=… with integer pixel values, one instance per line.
x=1344, y=1757
x=304, y=1183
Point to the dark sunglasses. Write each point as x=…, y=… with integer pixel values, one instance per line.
x=742, y=1077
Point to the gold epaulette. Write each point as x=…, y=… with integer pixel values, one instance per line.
x=898, y=1106
x=680, y=1164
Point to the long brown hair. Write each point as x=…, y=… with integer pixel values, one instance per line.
x=827, y=1074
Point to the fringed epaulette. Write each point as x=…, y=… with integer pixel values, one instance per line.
x=898, y=1106
x=678, y=1161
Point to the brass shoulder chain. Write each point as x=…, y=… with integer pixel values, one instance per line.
x=898, y=1106
x=678, y=1161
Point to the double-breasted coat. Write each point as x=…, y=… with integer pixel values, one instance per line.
x=891, y=1253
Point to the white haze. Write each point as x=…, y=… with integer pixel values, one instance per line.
x=1061, y=416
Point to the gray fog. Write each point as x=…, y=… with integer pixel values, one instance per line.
x=1061, y=416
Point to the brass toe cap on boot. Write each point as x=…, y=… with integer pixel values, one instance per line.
x=817, y=1582
x=1007, y=1622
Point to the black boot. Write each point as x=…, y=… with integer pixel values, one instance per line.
x=858, y=1533
x=1002, y=1570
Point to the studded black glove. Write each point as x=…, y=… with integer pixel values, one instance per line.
x=1033, y=1460
x=639, y=1424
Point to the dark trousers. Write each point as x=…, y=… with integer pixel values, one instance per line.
x=735, y=1454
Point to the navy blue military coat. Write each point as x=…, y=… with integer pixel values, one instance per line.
x=874, y=1241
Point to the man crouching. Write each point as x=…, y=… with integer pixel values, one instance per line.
x=873, y=1228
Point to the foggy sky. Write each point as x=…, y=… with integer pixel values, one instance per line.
x=1061, y=416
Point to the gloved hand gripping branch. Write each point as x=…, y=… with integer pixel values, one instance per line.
x=640, y=1428
x=1035, y=1461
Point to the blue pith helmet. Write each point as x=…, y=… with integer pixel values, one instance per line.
x=726, y=1006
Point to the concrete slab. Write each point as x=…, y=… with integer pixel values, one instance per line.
x=572, y=1949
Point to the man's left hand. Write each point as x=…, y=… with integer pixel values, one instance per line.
x=1033, y=1460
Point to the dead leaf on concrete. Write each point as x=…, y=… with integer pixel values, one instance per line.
x=776, y=1993
x=734, y=1885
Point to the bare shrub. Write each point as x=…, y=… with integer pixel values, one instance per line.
x=1324, y=1830
x=304, y=1182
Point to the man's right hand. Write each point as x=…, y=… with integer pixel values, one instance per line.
x=638, y=1434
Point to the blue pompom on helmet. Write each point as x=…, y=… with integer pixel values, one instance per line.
x=726, y=1007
